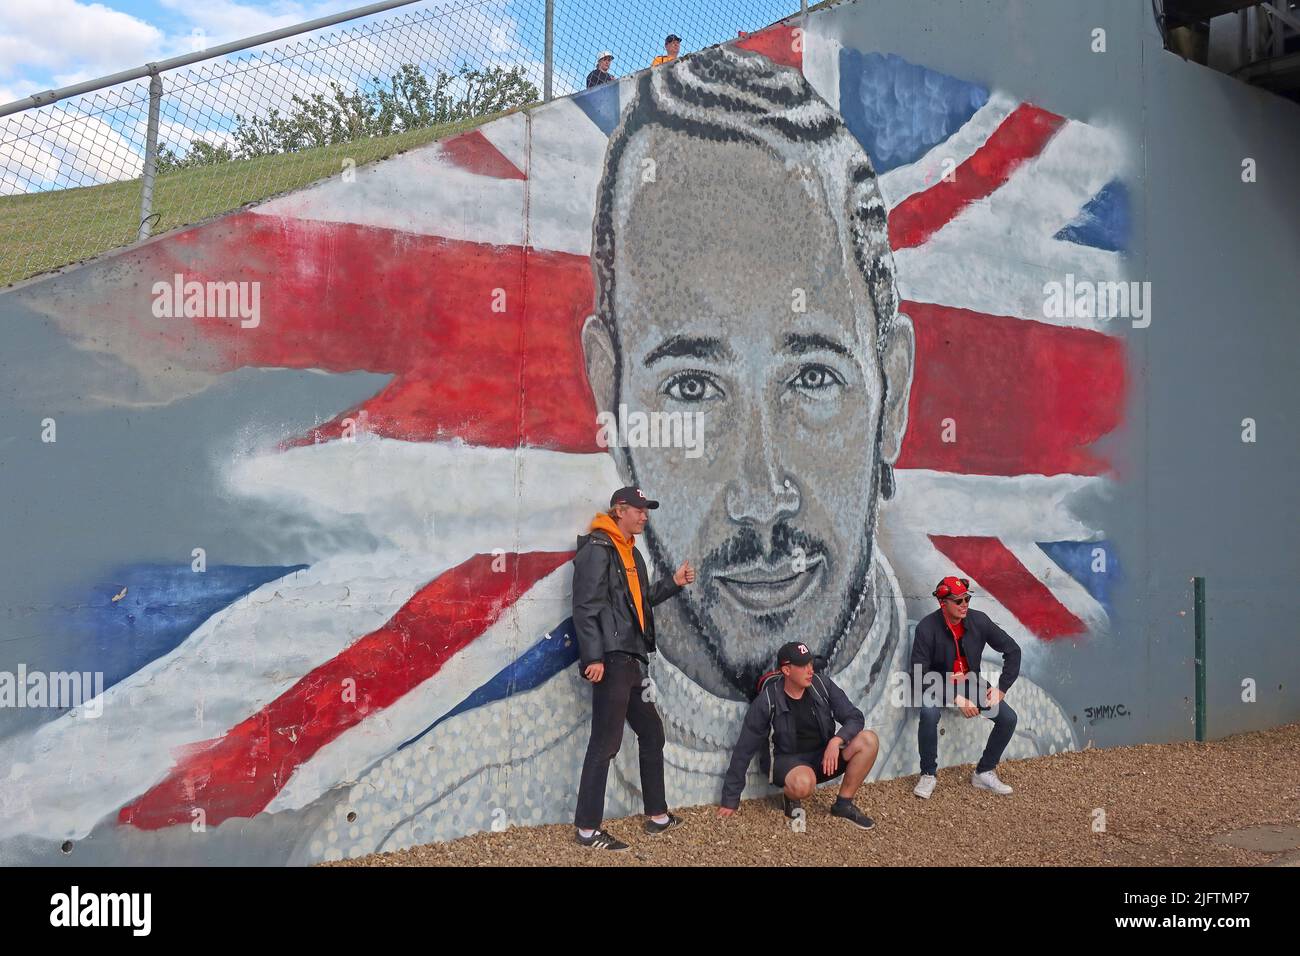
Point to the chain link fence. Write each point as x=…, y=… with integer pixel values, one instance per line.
x=86, y=174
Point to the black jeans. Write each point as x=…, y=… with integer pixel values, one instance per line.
x=620, y=696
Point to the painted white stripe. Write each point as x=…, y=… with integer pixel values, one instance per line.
x=937, y=502
x=897, y=184
x=982, y=279
x=343, y=760
x=418, y=496
x=821, y=58
x=568, y=159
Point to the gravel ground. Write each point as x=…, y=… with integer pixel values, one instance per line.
x=1163, y=804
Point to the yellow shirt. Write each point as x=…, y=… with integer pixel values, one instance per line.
x=661, y=60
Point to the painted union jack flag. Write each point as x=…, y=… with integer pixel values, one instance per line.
x=449, y=499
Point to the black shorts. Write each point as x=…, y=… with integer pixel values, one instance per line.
x=782, y=764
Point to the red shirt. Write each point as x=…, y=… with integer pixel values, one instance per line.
x=960, y=667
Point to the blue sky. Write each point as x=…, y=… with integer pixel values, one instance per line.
x=50, y=43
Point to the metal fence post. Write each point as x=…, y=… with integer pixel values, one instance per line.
x=1198, y=585
x=150, y=156
x=550, y=49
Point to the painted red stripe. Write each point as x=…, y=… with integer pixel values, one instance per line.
x=474, y=151
x=1027, y=397
x=239, y=774
x=449, y=320
x=1021, y=136
x=779, y=44
x=1000, y=573
x=1023, y=397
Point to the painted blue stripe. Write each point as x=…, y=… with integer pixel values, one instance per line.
x=1105, y=222
x=600, y=103
x=162, y=606
x=554, y=652
x=1078, y=558
x=899, y=110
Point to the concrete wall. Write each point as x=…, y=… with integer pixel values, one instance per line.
x=315, y=547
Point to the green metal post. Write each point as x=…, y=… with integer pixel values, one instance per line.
x=1198, y=584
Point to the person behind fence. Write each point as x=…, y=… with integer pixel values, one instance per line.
x=601, y=75
x=613, y=618
x=672, y=46
x=946, y=653
x=795, y=714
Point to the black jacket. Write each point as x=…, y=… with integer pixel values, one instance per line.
x=598, y=78
x=770, y=722
x=934, y=650
x=604, y=617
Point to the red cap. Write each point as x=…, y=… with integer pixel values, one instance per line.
x=952, y=587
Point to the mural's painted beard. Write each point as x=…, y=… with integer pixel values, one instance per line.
x=697, y=603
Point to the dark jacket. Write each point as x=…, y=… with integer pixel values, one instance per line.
x=935, y=652
x=604, y=617
x=770, y=722
x=599, y=78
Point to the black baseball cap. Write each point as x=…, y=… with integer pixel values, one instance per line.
x=632, y=496
x=794, y=653
x=671, y=38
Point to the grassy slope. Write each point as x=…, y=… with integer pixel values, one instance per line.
x=46, y=230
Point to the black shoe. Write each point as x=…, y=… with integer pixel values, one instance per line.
x=789, y=806
x=673, y=823
x=600, y=840
x=848, y=811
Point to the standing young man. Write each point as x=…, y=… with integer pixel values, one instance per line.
x=796, y=717
x=601, y=75
x=946, y=655
x=672, y=46
x=613, y=617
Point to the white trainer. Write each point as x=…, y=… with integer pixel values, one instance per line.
x=989, y=781
x=925, y=786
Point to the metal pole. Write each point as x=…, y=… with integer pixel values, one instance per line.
x=550, y=49
x=150, y=156
x=1198, y=585
x=803, y=7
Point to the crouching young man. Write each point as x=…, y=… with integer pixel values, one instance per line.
x=794, y=716
x=946, y=655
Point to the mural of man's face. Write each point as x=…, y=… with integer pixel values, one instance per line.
x=734, y=299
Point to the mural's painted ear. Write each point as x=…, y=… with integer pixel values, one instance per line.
x=897, y=366
x=598, y=353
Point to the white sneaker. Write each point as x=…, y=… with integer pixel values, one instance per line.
x=989, y=781
x=925, y=786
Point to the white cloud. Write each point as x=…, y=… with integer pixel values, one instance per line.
x=56, y=146
x=65, y=37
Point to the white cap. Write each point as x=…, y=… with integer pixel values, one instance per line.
x=602, y=54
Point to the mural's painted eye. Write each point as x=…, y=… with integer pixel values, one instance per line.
x=816, y=378
x=692, y=387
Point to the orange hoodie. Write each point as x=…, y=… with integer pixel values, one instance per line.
x=603, y=522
